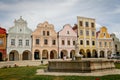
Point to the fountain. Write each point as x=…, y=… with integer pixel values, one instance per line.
x=79, y=65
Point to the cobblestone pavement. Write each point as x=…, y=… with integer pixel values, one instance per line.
x=97, y=73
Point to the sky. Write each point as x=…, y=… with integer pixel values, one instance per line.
x=61, y=12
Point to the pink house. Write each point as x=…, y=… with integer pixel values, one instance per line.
x=66, y=41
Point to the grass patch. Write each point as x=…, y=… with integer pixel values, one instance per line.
x=28, y=73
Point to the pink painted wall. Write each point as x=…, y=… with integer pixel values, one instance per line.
x=63, y=35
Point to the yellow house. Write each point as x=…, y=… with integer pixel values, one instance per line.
x=104, y=43
x=87, y=36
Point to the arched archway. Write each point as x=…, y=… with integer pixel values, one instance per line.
x=72, y=53
x=37, y=54
x=26, y=55
x=102, y=54
x=63, y=52
x=1, y=56
x=94, y=53
x=82, y=52
x=44, y=54
x=53, y=54
x=109, y=53
x=88, y=53
x=14, y=55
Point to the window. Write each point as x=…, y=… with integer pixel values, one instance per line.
x=87, y=42
x=93, y=34
x=81, y=23
x=48, y=33
x=92, y=25
x=113, y=39
x=81, y=32
x=87, y=33
x=13, y=42
x=67, y=32
x=27, y=42
x=105, y=43
x=104, y=34
x=110, y=44
x=93, y=43
x=63, y=42
x=37, y=41
x=73, y=42
x=53, y=42
x=68, y=42
x=1, y=41
x=100, y=44
x=86, y=24
x=45, y=41
x=81, y=42
x=20, y=42
x=43, y=33
x=20, y=30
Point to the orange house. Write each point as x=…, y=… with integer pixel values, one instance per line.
x=2, y=44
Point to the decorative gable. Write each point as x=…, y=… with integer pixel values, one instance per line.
x=20, y=27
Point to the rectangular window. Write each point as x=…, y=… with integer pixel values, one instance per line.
x=63, y=42
x=81, y=42
x=68, y=42
x=73, y=42
x=81, y=23
x=86, y=24
x=87, y=42
x=37, y=41
x=48, y=33
x=27, y=42
x=110, y=44
x=105, y=43
x=13, y=42
x=93, y=33
x=43, y=33
x=92, y=25
x=45, y=41
x=81, y=32
x=93, y=43
x=20, y=42
x=53, y=42
x=100, y=44
x=1, y=41
x=87, y=33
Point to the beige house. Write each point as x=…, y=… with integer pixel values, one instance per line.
x=104, y=43
x=44, y=44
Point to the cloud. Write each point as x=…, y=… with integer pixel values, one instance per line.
x=60, y=12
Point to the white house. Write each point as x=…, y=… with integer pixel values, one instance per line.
x=19, y=41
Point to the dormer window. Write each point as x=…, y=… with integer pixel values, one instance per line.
x=67, y=32
x=104, y=34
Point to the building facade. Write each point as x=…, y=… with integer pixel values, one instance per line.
x=19, y=41
x=66, y=41
x=104, y=43
x=45, y=45
x=2, y=44
x=116, y=44
x=87, y=37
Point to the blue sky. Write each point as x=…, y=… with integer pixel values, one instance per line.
x=61, y=12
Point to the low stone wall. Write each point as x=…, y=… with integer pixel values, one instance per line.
x=22, y=63
x=80, y=66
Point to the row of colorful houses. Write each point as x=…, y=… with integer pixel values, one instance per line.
x=21, y=43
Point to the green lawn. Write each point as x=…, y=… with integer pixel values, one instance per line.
x=28, y=73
